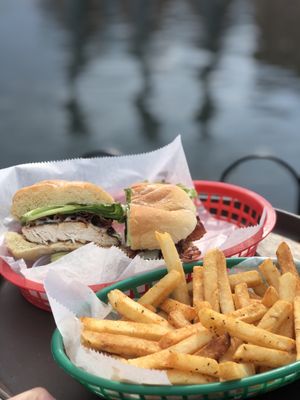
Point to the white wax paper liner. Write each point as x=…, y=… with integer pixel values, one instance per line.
x=113, y=173
x=69, y=300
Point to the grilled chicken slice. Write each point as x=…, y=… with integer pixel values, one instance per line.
x=71, y=231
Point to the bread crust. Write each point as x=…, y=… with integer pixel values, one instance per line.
x=57, y=192
x=19, y=247
x=159, y=207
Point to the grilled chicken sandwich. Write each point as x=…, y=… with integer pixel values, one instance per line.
x=58, y=215
x=165, y=208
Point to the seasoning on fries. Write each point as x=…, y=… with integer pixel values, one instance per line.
x=219, y=327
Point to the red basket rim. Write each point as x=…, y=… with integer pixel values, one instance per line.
x=224, y=188
x=214, y=187
x=24, y=283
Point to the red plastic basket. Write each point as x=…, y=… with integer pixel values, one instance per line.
x=228, y=202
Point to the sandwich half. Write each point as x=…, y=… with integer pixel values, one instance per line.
x=165, y=208
x=59, y=215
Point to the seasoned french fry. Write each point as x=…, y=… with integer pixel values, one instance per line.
x=285, y=259
x=177, y=319
x=275, y=316
x=198, y=290
x=270, y=273
x=122, y=345
x=173, y=262
x=242, y=297
x=210, y=278
x=287, y=286
x=297, y=324
x=260, y=290
x=216, y=348
x=225, y=295
x=132, y=310
x=193, y=343
x=161, y=290
x=263, y=356
x=129, y=328
x=287, y=327
x=251, y=278
x=230, y=370
x=157, y=360
x=251, y=313
x=247, y=332
x=170, y=305
x=192, y=363
x=189, y=346
x=177, y=377
x=201, y=304
x=175, y=336
x=270, y=297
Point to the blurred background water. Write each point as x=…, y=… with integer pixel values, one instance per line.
x=77, y=76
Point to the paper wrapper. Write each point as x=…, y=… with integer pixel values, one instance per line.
x=114, y=174
x=70, y=299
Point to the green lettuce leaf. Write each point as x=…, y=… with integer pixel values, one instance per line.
x=112, y=211
x=192, y=193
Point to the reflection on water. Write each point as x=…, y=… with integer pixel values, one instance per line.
x=129, y=75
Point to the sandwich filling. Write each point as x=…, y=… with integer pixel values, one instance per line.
x=73, y=223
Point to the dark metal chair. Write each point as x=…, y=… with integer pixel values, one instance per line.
x=275, y=159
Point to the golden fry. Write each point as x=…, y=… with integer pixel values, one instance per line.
x=263, y=356
x=275, y=316
x=132, y=310
x=175, y=336
x=129, y=328
x=198, y=289
x=161, y=290
x=270, y=297
x=192, y=363
x=210, y=278
x=170, y=305
x=297, y=324
x=242, y=297
x=287, y=286
x=173, y=262
x=251, y=313
x=122, y=345
x=251, y=278
x=222, y=323
x=189, y=346
x=177, y=319
x=285, y=259
x=225, y=295
x=177, y=377
x=270, y=273
x=230, y=370
x=287, y=328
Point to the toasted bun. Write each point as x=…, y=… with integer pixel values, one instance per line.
x=19, y=247
x=159, y=207
x=55, y=193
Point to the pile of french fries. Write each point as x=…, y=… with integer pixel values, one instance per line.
x=217, y=327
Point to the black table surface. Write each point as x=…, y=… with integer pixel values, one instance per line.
x=25, y=334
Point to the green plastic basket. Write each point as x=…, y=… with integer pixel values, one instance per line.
x=239, y=389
